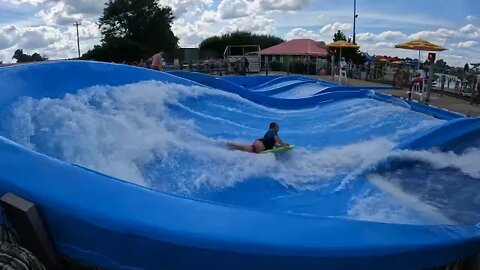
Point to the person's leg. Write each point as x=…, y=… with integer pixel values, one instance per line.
x=241, y=147
x=256, y=147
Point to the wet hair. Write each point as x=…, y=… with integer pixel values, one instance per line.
x=273, y=125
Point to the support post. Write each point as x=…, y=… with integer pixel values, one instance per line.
x=442, y=87
x=473, y=91
x=27, y=223
x=429, y=83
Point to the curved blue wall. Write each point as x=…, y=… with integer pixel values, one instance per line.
x=113, y=224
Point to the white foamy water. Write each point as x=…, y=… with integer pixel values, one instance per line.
x=112, y=130
x=302, y=91
x=278, y=85
x=127, y=132
x=467, y=162
x=130, y=132
x=433, y=200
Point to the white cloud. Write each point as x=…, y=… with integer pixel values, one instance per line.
x=384, y=36
x=57, y=15
x=254, y=23
x=87, y=30
x=190, y=34
x=285, y=5
x=84, y=7
x=31, y=2
x=384, y=45
x=439, y=34
x=468, y=28
x=470, y=31
x=466, y=44
x=458, y=60
x=334, y=27
x=8, y=36
x=366, y=36
x=39, y=37
x=297, y=33
x=231, y=9
x=47, y=40
x=392, y=35
x=183, y=8
x=209, y=16
x=471, y=18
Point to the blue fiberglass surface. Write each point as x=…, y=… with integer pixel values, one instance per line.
x=130, y=170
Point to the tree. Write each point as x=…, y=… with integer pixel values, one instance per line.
x=25, y=58
x=349, y=53
x=339, y=36
x=441, y=63
x=134, y=29
x=216, y=45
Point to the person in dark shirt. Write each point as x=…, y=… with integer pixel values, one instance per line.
x=269, y=141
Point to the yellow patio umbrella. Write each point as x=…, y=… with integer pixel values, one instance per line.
x=342, y=44
x=420, y=45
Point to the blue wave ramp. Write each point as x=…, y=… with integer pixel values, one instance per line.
x=129, y=171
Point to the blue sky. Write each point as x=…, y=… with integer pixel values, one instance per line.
x=45, y=26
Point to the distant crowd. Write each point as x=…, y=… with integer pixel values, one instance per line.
x=235, y=65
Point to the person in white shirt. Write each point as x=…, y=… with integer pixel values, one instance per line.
x=419, y=77
x=343, y=64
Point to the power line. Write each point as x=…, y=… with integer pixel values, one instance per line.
x=76, y=24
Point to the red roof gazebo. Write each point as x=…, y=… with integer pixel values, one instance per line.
x=300, y=47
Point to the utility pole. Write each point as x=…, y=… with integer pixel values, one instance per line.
x=78, y=38
x=355, y=15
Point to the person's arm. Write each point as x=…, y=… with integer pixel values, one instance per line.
x=280, y=142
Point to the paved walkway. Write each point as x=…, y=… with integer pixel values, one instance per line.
x=447, y=102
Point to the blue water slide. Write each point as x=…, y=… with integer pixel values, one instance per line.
x=450, y=133
x=250, y=82
x=226, y=85
x=271, y=86
x=110, y=223
x=419, y=107
x=287, y=79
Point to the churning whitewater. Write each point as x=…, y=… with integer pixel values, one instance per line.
x=171, y=138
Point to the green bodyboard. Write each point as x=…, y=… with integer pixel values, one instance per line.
x=278, y=149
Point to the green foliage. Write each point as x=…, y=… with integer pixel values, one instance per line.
x=301, y=67
x=441, y=66
x=25, y=58
x=441, y=63
x=275, y=66
x=217, y=44
x=117, y=50
x=132, y=30
x=296, y=66
x=339, y=36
